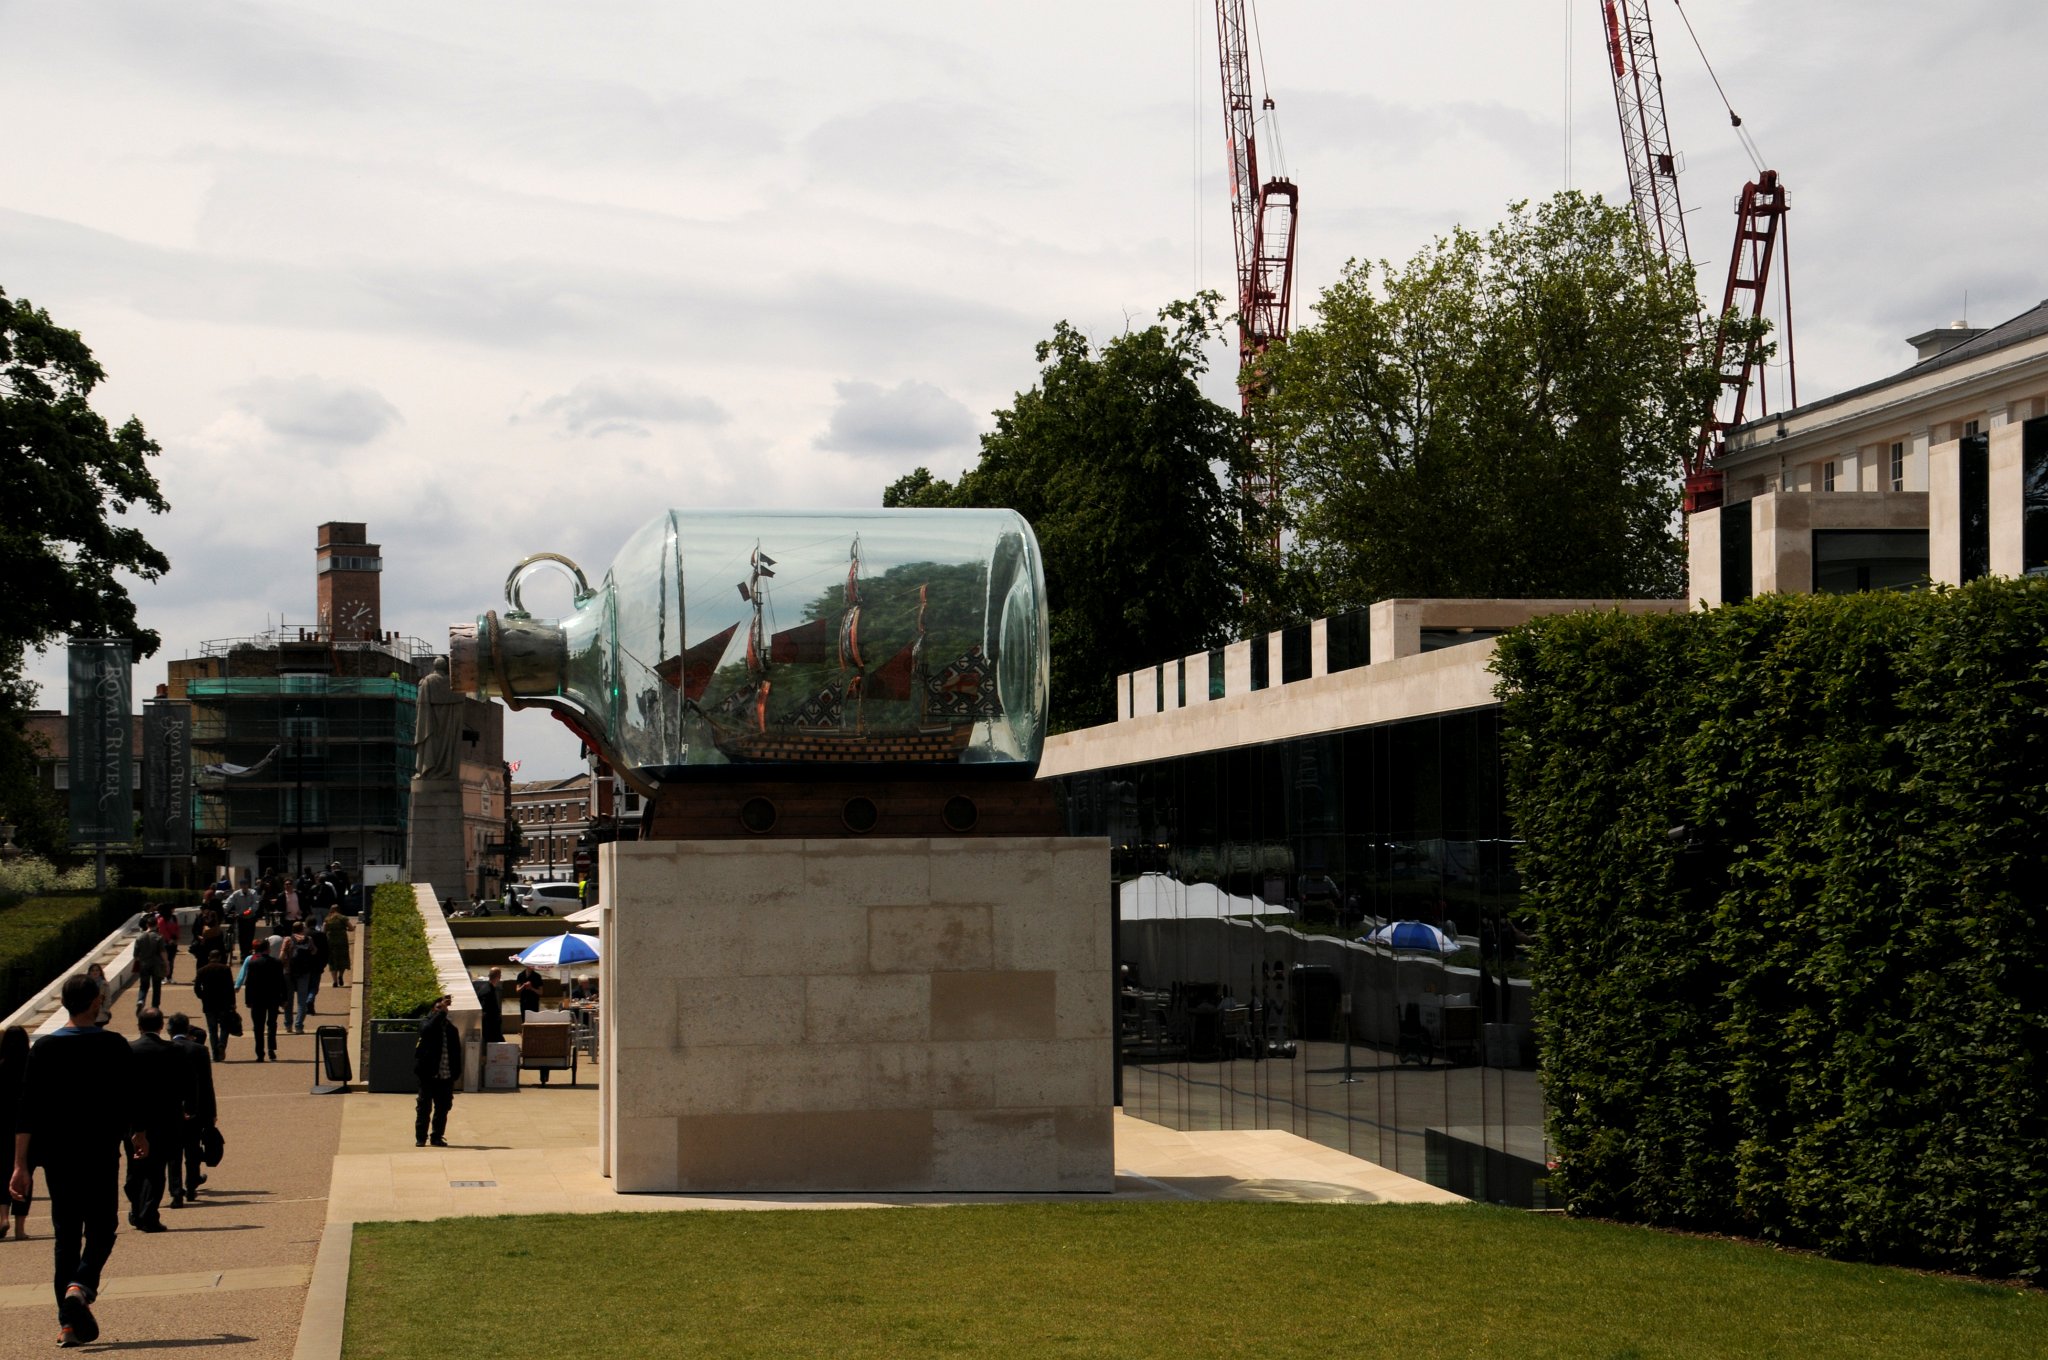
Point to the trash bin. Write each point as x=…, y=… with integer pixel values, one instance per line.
x=392, y=1043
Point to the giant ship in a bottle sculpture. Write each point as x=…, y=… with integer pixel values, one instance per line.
x=746, y=643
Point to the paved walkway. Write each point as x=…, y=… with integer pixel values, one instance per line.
x=259, y=1267
x=233, y=1270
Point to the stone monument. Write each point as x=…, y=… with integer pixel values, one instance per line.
x=433, y=835
x=850, y=950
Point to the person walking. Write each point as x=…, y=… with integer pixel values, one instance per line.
x=265, y=992
x=98, y=974
x=183, y=1169
x=215, y=987
x=149, y=966
x=338, y=960
x=13, y=1071
x=168, y=930
x=77, y=1104
x=490, y=995
x=302, y=965
x=163, y=1102
x=316, y=940
x=437, y=1062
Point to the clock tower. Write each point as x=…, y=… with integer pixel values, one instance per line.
x=350, y=570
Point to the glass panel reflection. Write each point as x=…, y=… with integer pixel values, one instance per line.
x=1324, y=936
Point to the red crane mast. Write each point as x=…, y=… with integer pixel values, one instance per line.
x=1653, y=191
x=1262, y=227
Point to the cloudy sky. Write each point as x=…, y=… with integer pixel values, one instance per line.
x=510, y=277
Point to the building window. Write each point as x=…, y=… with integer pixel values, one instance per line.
x=1970, y=429
x=1736, y=579
x=1262, y=660
x=1974, y=475
x=1215, y=672
x=1898, y=467
x=1295, y=663
x=1348, y=641
x=1849, y=560
x=1827, y=475
x=2034, y=496
x=1180, y=683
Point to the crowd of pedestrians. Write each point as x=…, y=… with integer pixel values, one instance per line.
x=81, y=1104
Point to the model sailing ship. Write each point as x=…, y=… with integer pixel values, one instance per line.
x=828, y=726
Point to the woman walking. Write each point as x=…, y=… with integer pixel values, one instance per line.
x=336, y=926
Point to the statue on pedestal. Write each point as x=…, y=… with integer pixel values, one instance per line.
x=437, y=726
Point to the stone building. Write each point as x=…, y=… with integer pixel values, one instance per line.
x=1938, y=472
x=302, y=736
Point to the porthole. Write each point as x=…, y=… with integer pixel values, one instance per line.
x=757, y=815
x=859, y=815
x=960, y=814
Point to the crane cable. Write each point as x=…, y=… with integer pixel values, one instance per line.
x=1268, y=117
x=1734, y=119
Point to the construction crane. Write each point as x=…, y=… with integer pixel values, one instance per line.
x=1262, y=222
x=1759, y=225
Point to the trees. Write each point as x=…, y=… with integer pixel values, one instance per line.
x=69, y=478
x=1128, y=475
x=1502, y=416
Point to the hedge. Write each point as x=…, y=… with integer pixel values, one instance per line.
x=402, y=978
x=1819, y=1012
x=41, y=937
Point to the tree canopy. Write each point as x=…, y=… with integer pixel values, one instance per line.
x=1128, y=475
x=69, y=480
x=1502, y=416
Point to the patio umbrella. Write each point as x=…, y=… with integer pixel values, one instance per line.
x=558, y=951
x=1413, y=935
x=588, y=916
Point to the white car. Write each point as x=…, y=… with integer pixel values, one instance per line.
x=550, y=899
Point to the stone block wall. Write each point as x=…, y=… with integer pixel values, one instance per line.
x=858, y=1015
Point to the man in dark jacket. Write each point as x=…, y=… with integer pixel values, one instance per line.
x=76, y=1108
x=490, y=995
x=437, y=1062
x=163, y=1102
x=264, y=992
x=214, y=985
x=183, y=1170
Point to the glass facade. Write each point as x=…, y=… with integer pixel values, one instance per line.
x=1247, y=880
x=2034, y=491
x=1849, y=560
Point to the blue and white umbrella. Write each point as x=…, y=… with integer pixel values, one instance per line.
x=1413, y=935
x=558, y=951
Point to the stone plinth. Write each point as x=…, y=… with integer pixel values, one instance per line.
x=433, y=838
x=858, y=1015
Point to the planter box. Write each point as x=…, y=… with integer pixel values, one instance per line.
x=391, y=1052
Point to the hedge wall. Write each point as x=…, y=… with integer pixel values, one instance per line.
x=401, y=971
x=42, y=936
x=1821, y=1014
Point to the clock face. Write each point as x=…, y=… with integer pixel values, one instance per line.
x=356, y=616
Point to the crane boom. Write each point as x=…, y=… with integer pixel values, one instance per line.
x=1645, y=133
x=1653, y=192
x=1262, y=225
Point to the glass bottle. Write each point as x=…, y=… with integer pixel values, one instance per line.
x=752, y=640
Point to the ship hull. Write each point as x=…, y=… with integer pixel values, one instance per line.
x=941, y=746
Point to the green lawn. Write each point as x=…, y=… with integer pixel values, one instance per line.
x=1186, y=1281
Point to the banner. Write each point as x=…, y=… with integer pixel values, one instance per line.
x=102, y=758
x=167, y=777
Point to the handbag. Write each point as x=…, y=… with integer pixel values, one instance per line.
x=235, y=1024
x=211, y=1146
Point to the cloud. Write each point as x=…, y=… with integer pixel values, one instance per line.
x=911, y=417
x=317, y=410
x=626, y=404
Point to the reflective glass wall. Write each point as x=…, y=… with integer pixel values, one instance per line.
x=1250, y=886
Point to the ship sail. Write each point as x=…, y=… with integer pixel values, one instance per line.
x=691, y=671
x=806, y=642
